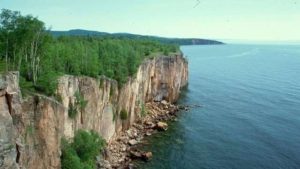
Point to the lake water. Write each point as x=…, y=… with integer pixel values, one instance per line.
x=250, y=117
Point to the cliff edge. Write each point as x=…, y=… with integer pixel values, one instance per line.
x=32, y=128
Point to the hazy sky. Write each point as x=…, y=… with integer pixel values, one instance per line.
x=217, y=19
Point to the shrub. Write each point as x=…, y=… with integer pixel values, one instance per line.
x=26, y=86
x=111, y=91
x=101, y=83
x=58, y=97
x=72, y=112
x=82, y=152
x=69, y=157
x=114, y=115
x=166, y=52
x=80, y=101
x=2, y=66
x=87, y=144
x=47, y=83
x=143, y=110
x=123, y=114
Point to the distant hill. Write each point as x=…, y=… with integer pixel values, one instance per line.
x=179, y=41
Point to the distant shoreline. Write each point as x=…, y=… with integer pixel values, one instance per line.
x=178, y=41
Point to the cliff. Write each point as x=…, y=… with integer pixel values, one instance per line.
x=32, y=128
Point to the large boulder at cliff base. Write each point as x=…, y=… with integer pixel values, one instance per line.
x=132, y=142
x=162, y=126
x=147, y=156
x=135, y=154
x=164, y=102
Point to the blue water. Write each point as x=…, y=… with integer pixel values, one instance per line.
x=250, y=117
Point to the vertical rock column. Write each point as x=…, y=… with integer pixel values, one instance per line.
x=8, y=153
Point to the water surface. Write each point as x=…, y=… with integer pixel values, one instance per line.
x=250, y=117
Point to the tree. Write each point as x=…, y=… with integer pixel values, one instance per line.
x=24, y=38
x=26, y=46
x=34, y=34
x=8, y=21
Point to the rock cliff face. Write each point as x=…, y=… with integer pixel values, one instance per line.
x=31, y=129
x=9, y=96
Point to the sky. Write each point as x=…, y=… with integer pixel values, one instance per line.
x=254, y=20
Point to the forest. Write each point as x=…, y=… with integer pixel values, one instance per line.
x=27, y=46
x=177, y=41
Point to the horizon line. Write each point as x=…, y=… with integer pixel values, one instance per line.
x=217, y=39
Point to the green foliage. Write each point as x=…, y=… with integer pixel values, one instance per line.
x=69, y=157
x=177, y=41
x=123, y=114
x=26, y=86
x=80, y=101
x=11, y=146
x=82, y=152
x=47, y=83
x=101, y=83
x=80, y=104
x=2, y=66
x=30, y=129
x=114, y=115
x=26, y=46
x=166, y=52
x=58, y=97
x=143, y=110
x=22, y=42
x=87, y=144
x=72, y=112
x=111, y=91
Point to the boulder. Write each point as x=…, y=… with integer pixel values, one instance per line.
x=158, y=97
x=132, y=142
x=148, y=133
x=162, y=126
x=102, y=164
x=149, y=124
x=135, y=154
x=164, y=102
x=147, y=156
x=130, y=166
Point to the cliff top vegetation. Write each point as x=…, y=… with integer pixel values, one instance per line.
x=28, y=47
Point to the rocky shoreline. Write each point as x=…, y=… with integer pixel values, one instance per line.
x=121, y=151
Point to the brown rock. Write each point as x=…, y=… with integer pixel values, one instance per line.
x=150, y=124
x=162, y=126
x=164, y=102
x=161, y=76
x=147, y=156
x=148, y=133
x=135, y=154
x=132, y=142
